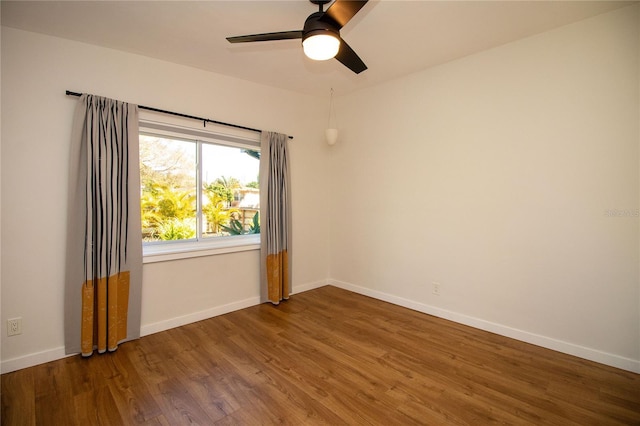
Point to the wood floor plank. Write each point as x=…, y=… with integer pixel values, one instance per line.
x=55, y=409
x=18, y=398
x=96, y=407
x=282, y=378
x=178, y=406
x=325, y=357
x=317, y=385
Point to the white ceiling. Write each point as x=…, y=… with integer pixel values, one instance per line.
x=394, y=38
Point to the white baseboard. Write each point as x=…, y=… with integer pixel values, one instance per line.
x=14, y=364
x=309, y=286
x=30, y=360
x=168, y=324
x=7, y=366
x=524, y=336
x=157, y=327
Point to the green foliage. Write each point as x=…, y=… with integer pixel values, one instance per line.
x=220, y=196
x=252, y=153
x=255, y=224
x=217, y=215
x=255, y=184
x=219, y=192
x=162, y=207
x=168, y=199
x=235, y=226
x=177, y=229
x=224, y=185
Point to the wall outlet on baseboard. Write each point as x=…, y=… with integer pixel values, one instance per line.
x=436, y=288
x=14, y=326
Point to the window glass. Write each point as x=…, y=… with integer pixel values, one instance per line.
x=230, y=191
x=168, y=188
x=197, y=191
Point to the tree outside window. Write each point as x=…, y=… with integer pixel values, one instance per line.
x=192, y=190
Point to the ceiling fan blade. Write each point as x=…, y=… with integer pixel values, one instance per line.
x=341, y=11
x=348, y=57
x=283, y=35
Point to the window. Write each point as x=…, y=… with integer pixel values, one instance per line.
x=199, y=191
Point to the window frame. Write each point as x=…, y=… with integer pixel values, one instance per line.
x=183, y=129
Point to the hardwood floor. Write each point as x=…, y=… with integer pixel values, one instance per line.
x=326, y=356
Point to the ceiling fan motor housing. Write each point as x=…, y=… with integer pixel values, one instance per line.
x=314, y=26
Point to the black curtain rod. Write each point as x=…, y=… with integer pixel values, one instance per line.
x=204, y=120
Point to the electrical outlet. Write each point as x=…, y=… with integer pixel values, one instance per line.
x=14, y=326
x=436, y=289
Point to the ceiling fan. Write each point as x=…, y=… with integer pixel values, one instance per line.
x=321, y=34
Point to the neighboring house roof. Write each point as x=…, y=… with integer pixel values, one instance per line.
x=249, y=200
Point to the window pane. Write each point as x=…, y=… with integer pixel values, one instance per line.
x=168, y=181
x=230, y=191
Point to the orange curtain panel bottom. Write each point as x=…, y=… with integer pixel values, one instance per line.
x=105, y=304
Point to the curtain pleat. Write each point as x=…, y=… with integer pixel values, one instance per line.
x=275, y=218
x=104, y=246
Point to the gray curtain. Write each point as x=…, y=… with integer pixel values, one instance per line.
x=104, y=247
x=275, y=218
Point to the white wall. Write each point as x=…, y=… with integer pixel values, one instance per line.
x=491, y=175
x=36, y=118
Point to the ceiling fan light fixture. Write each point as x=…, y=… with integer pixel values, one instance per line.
x=321, y=33
x=321, y=46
